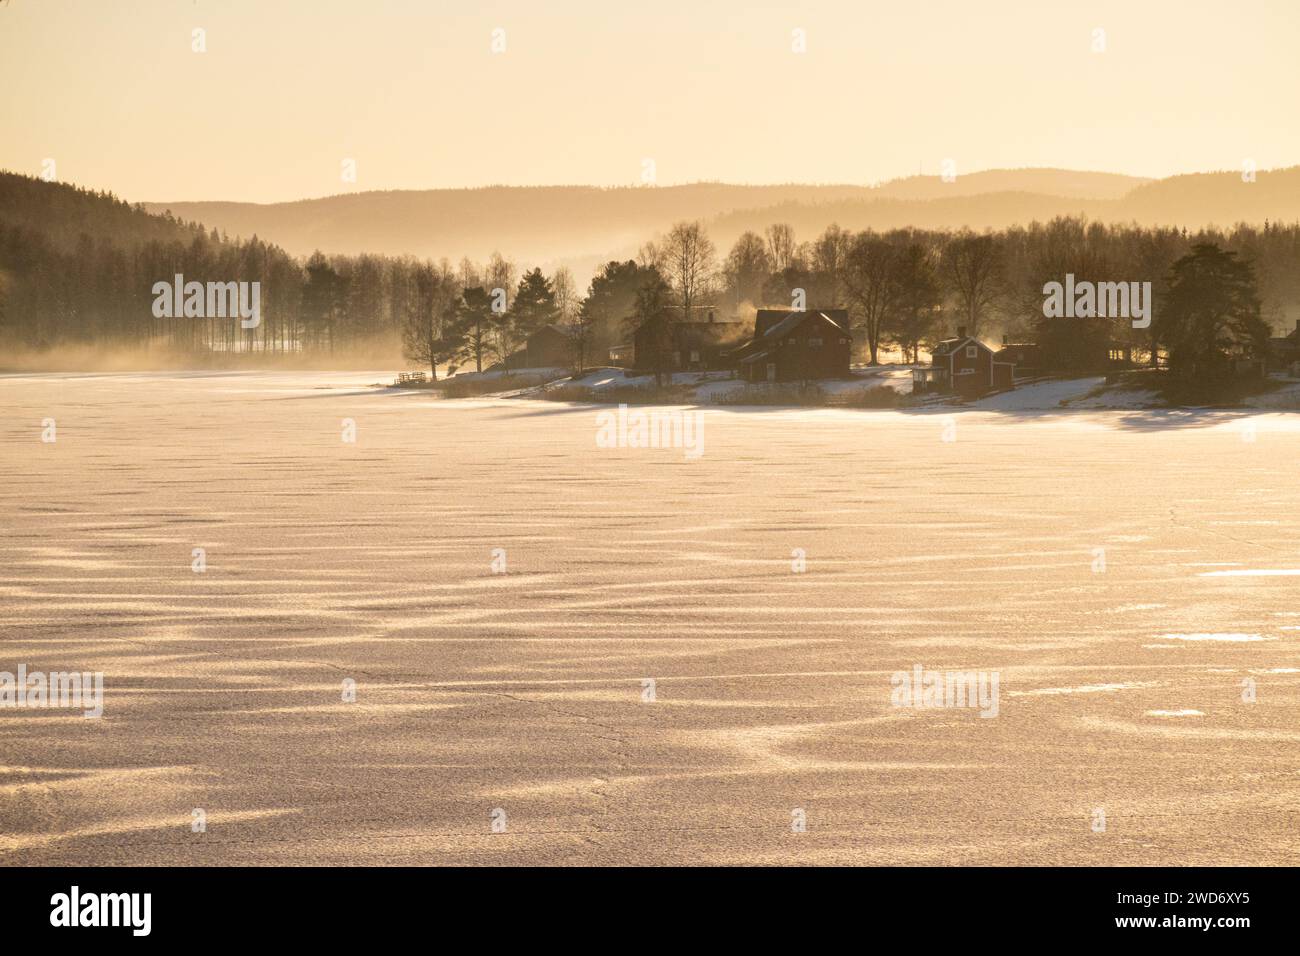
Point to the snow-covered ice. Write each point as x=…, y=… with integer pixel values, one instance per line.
x=958, y=539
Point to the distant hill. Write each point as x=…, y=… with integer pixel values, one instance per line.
x=551, y=224
x=1047, y=182
x=1218, y=198
x=63, y=213
x=581, y=226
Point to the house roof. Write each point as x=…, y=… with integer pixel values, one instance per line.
x=764, y=337
x=766, y=319
x=1018, y=348
x=553, y=329
x=794, y=319
x=948, y=346
x=689, y=334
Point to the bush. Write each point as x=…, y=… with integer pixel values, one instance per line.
x=772, y=394
x=1181, y=391
x=465, y=386
x=878, y=396
x=568, y=393
x=1177, y=391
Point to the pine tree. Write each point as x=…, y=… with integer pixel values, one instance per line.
x=1210, y=316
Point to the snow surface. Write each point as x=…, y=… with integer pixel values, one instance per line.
x=706, y=387
x=372, y=561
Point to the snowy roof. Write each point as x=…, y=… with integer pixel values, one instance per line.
x=765, y=319
x=792, y=320
x=951, y=345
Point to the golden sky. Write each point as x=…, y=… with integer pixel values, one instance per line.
x=584, y=92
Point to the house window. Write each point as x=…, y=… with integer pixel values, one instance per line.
x=1117, y=355
x=695, y=356
x=814, y=343
x=972, y=351
x=677, y=359
x=771, y=371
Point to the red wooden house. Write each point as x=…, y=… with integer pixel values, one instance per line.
x=665, y=344
x=964, y=366
x=796, y=346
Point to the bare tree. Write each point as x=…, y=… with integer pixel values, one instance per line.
x=431, y=333
x=649, y=256
x=780, y=245
x=468, y=275
x=501, y=273
x=826, y=261
x=916, y=298
x=868, y=278
x=689, y=263
x=973, y=267
x=566, y=295
x=747, y=268
x=579, y=328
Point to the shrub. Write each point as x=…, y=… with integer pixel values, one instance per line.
x=465, y=386
x=772, y=394
x=878, y=396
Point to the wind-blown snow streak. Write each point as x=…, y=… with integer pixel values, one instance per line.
x=371, y=562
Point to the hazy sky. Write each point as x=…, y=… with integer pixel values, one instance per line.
x=585, y=91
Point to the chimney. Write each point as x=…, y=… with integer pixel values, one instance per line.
x=961, y=331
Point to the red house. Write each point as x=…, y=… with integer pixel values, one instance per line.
x=796, y=346
x=964, y=366
x=1284, y=353
x=664, y=344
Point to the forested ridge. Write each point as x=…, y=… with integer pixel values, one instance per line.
x=78, y=267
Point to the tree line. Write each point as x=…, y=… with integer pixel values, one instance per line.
x=904, y=290
x=908, y=288
x=78, y=266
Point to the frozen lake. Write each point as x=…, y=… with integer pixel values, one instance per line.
x=1124, y=573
